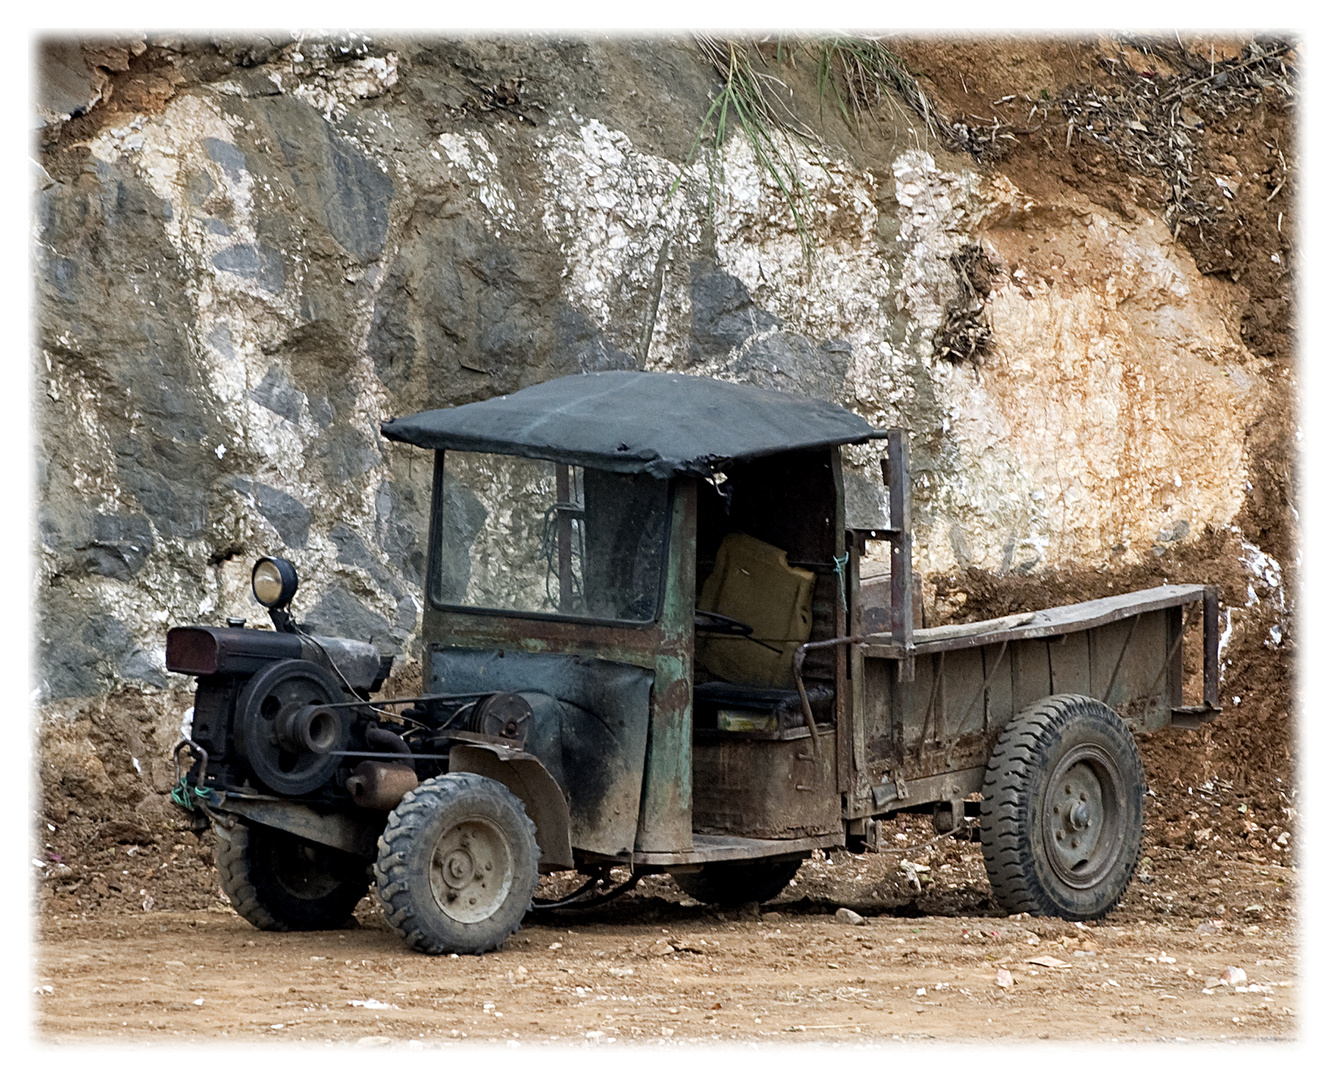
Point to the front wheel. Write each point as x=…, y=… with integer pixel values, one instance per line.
x=278, y=881
x=731, y=884
x=458, y=864
x=1063, y=809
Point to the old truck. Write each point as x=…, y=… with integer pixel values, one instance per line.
x=652, y=641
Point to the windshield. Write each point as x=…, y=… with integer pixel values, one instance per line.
x=519, y=535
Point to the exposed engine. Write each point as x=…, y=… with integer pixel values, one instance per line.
x=285, y=712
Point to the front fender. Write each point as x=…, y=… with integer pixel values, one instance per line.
x=534, y=786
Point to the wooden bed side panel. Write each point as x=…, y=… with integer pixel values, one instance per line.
x=1133, y=668
x=1031, y=672
x=1069, y=659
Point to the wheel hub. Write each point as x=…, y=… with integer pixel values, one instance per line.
x=1084, y=816
x=471, y=870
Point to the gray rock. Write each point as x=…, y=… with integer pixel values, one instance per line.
x=170, y=491
x=866, y=502
x=263, y=265
x=255, y=84
x=1180, y=531
x=401, y=524
x=723, y=315
x=227, y=155
x=392, y=345
x=67, y=666
x=582, y=346
x=125, y=314
x=137, y=666
x=63, y=276
x=345, y=455
x=286, y=514
x=119, y=545
x=352, y=551
x=199, y=186
x=512, y=307
x=476, y=316
x=65, y=84
x=278, y=395
x=83, y=650
x=220, y=338
x=281, y=510
x=340, y=614
x=789, y=362
x=321, y=412
x=335, y=183
x=406, y=615
x=50, y=531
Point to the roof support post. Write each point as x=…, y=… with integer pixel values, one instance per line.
x=895, y=473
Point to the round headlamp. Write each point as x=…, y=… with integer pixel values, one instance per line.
x=274, y=582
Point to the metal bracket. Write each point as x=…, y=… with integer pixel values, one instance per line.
x=1191, y=717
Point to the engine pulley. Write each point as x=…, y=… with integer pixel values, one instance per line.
x=289, y=742
x=505, y=716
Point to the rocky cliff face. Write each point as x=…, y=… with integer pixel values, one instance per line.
x=251, y=252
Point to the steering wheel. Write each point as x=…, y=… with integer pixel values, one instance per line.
x=720, y=624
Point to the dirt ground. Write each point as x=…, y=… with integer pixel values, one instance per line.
x=932, y=961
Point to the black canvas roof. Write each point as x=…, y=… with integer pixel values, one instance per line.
x=663, y=424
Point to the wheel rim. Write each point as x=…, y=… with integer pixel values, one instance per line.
x=472, y=869
x=1085, y=810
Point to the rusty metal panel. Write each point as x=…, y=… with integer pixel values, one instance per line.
x=925, y=790
x=857, y=802
x=895, y=472
x=543, y=801
x=351, y=829
x=1031, y=674
x=708, y=848
x=664, y=822
x=845, y=778
x=880, y=695
x=765, y=788
x=590, y=727
x=618, y=644
x=1069, y=659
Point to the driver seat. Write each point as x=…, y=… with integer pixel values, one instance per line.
x=753, y=584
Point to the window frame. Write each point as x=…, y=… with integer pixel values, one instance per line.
x=434, y=553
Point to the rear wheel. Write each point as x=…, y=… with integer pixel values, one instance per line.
x=731, y=884
x=458, y=865
x=1063, y=809
x=277, y=881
